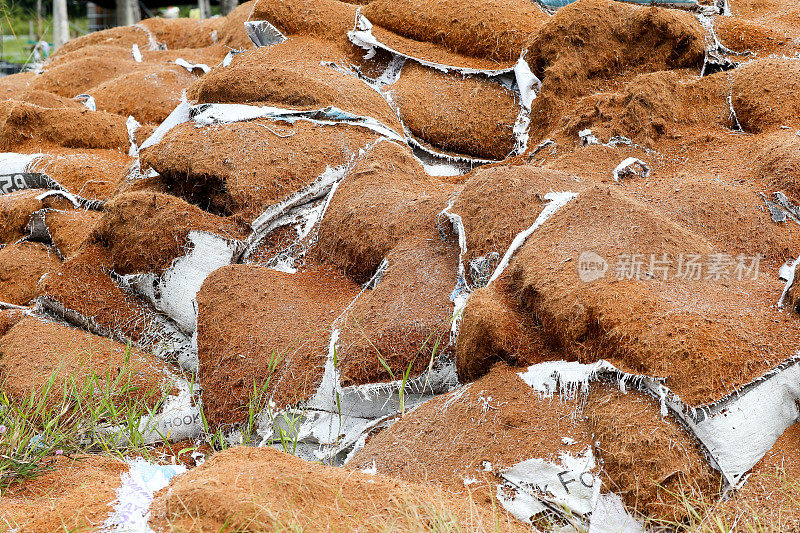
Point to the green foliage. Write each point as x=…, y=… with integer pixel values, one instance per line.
x=83, y=415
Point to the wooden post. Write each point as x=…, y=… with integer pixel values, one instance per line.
x=128, y=12
x=60, y=23
x=226, y=6
x=205, y=8
x=38, y=20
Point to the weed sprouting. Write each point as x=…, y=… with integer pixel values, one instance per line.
x=92, y=413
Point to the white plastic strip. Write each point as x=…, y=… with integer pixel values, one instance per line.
x=179, y=115
x=787, y=272
x=131, y=509
x=262, y=33
x=631, y=167
x=736, y=431
x=207, y=114
x=14, y=163
x=557, y=201
x=175, y=291
x=192, y=66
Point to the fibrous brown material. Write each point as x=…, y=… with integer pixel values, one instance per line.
x=648, y=459
x=83, y=286
x=46, y=99
x=121, y=36
x=92, y=174
x=732, y=216
x=594, y=39
x=492, y=34
x=231, y=32
x=121, y=54
x=404, y=322
x=262, y=489
x=469, y=115
x=498, y=202
x=35, y=351
x=184, y=32
x=494, y=328
x=149, y=94
x=497, y=419
x=655, y=319
x=243, y=167
x=146, y=231
x=768, y=499
x=653, y=106
x=13, y=85
x=290, y=75
x=326, y=19
x=775, y=162
x=69, y=229
x=21, y=267
x=261, y=328
x=764, y=94
x=386, y=198
x=742, y=35
x=16, y=209
x=9, y=317
x=75, y=494
x=30, y=125
x=72, y=78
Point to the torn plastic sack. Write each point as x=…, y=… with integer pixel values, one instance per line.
x=735, y=431
x=174, y=292
x=131, y=509
x=262, y=33
x=15, y=177
x=631, y=167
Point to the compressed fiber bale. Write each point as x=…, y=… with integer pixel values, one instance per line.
x=764, y=94
x=498, y=419
x=384, y=199
x=71, y=78
x=273, y=334
x=14, y=85
x=76, y=492
x=68, y=230
x=33, y=126
x=290, y=75
x=121, y=36
x=403, y=323
x=147, y=94
x=327, y=20
x=46, y=99
x=146, y=232
x=467, y=33
x=184, y=32
x=663, y=320
x=494, y=328
x=241, y=168
x=469, y=115
x=83, y=293
x=498, y=202
x=269, y=488
x=590, y=40
x=21, y=266
x=35, y=350
x=648, y=459
x=89, y=173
